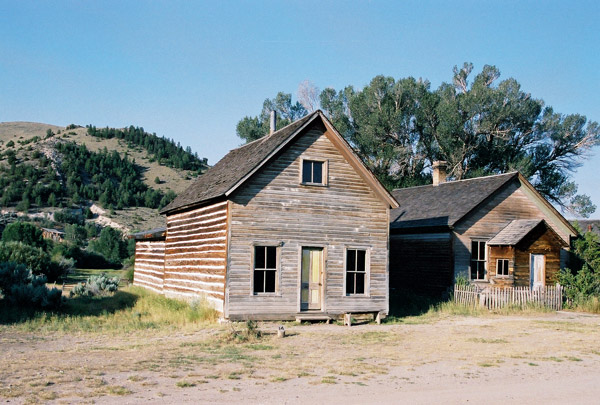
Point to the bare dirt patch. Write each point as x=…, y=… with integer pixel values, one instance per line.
x=530, y=359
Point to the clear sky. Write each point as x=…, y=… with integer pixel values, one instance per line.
x=190, y=70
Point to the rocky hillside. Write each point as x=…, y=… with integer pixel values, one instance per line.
x=117, y=177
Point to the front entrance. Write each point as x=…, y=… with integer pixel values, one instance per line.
x=312, y=279
x=537, y=270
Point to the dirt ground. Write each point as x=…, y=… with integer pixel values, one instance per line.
x=541, y=358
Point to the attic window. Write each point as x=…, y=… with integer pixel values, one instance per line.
x=314, y=172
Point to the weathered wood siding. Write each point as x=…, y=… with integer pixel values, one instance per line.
x=501, y=252
x=536, y=243
x=510, y=204
x=421, y=262
x=274, y=208
x=149, y=267
x=195, y=254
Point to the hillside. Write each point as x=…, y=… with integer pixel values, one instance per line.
x=44, y=168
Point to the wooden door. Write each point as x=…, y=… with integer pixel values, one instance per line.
x=537, y=270
x=312, y=276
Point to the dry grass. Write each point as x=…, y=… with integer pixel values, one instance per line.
x=170, y=348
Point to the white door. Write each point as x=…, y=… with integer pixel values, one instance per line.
x=537, y=270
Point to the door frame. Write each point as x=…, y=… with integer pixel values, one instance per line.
x=532, y=269
x=323, y=278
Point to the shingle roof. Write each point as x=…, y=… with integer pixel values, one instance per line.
x=156, y=233
x=445, y=204
x=514, y=232
x=586, y=225
x=238, y=163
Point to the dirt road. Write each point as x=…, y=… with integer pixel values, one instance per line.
x=542, y=358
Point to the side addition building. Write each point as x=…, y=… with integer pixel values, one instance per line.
x=494, y=230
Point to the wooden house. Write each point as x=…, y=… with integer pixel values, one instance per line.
x=53, y=234
x=292, y=225
x=494, y=230
x=149, y=267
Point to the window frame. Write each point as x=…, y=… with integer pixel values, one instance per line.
x=484, y=261
x=324, y=172
x=277, y=269
x=367, y=272
x=498, y=274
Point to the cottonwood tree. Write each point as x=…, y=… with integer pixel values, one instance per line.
x=479, y=125
x=253, y=128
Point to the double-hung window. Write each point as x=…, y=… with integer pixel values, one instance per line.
x=356, y=271
x=478, y=260
x=502, y=267
x=265, y=269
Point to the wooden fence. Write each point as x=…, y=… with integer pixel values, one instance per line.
x=496, y=298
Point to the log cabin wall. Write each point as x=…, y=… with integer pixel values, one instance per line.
x=511, y=203
x=421, y=262
x=496, y=253
x=195, y=254
x=273, y=208
x=149, y=267
x=543, y=243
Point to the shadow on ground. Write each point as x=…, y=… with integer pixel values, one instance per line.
x=405, y=303
x=80, y=306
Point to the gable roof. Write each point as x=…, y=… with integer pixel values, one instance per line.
x=517, y=230
x=240, y=164
x=445, y=204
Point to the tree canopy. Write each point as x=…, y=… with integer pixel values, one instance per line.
x=477, y=123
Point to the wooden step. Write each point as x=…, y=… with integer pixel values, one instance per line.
x=313, y=317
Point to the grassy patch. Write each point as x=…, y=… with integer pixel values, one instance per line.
x=329, y=379
x=184, y=384
x=130, y=309
x=482, y=340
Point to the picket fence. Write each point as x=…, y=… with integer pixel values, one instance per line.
x=496, y=298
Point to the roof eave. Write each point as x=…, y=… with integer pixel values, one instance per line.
x=269, y=156
x=371, y=179
x=527, y=184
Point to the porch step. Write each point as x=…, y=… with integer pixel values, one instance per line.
x=313, y=317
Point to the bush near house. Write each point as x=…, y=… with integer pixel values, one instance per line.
x=583, y=278
x=20, y=287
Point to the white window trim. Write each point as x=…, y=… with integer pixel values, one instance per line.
x=325, y=174
x=507, y=268
x=367, y=250
x=277, y=246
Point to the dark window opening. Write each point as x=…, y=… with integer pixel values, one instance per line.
x=502, y=267
x=356, y=271
x=478, y=260
x=312, y=172
x=265, y=269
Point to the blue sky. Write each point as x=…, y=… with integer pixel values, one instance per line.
x=190, y=70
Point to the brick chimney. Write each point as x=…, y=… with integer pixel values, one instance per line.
x=272, y=121
x=439, y=172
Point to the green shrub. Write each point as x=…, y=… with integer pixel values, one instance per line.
x=110, y=244
x=20, y=287
x=96, y=286
x=24, y=232
x=35, y=259
x=582, y=281
x=69, y=216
